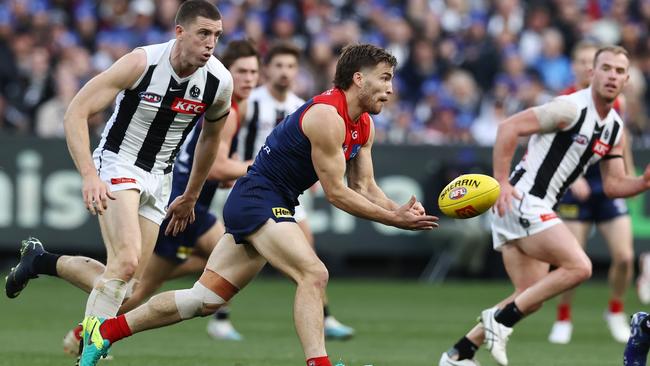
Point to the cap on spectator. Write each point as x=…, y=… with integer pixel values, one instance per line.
x=431, y=87
x=286, y=12
x=84, y=12
x=478, y=18
x=5, y=15
x=143, y=7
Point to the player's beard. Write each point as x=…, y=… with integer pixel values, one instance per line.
x=368, y=103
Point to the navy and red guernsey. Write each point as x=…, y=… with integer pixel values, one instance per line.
x=285, y=157
x=283, y=168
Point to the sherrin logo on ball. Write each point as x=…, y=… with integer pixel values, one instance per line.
x=469, y=195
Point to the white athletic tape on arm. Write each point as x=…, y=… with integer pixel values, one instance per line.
x=556, y=114
x=189, y=302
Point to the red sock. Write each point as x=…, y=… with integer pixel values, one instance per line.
x=319, y=361
x=564, y=312
x=77, y=332
x=615, y=306
x=114, y=329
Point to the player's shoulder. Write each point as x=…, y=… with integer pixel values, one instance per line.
x=579, y=97
x=216, y=68
x=154, y=52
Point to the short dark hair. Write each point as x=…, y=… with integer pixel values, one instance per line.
x=282, y=48
x=192, y=9
x=238, y=49
x=617, y=50
x=354, y=58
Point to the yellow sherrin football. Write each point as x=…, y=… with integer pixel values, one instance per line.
x=469, y=195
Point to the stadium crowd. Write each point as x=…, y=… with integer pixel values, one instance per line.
x=463, y=64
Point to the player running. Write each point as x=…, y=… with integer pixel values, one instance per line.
x=316, y=142
x=566, y=136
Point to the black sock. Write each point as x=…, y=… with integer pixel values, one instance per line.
x=326, y=311
x=509, y=315
x=464, y=348
x=46, y=264
x=222, y=314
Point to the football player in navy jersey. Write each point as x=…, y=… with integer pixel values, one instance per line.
x=329, y=132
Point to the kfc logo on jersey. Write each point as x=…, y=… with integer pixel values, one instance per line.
x=185, y=106
x=601, y=148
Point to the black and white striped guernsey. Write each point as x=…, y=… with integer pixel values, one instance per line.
x=152, y=118
x=553, y=161
x=263, y=113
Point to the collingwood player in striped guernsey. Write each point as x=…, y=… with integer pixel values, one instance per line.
x=566, y=136
x=162, y=91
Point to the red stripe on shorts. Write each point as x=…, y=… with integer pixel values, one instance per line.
x=122, y=180
x=548, y=216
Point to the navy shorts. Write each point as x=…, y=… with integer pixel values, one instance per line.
x=251, y=203
x=178, y=248
x=597, y=208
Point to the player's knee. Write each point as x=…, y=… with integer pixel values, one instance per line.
x=581, y=272
x=124, y=265
x=197, y=301
x=623, y=261
x=316, y=275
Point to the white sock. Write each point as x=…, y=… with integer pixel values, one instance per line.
x=106, y=298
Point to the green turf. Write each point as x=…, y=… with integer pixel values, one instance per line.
x=397, y=323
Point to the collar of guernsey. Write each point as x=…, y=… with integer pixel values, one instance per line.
x=617, y=102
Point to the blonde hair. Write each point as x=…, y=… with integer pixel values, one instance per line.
x=617, y=50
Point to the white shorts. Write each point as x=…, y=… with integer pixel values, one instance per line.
x=120, y=175
x=527, y=217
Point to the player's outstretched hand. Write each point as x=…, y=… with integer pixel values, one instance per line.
x=411, y=216
x=504, y=202
x=181, y=213
x=95, y=194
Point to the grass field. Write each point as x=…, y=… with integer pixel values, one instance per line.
x=397, y=323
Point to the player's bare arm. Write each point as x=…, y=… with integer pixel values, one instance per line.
x=616, y=182
x=181, y=210
x=326, y=132
x=555, y=115
x=94, y=97
x=361, y=176
x=226, y=168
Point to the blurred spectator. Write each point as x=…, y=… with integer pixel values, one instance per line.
x=553, y=64
x=513, y=51
x=49, y=116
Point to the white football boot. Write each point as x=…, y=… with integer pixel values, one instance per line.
x=496, y=336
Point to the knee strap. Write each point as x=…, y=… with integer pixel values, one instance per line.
x=189, y=302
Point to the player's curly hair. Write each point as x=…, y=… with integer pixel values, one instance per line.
x=192, y=9
x=354, y=58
